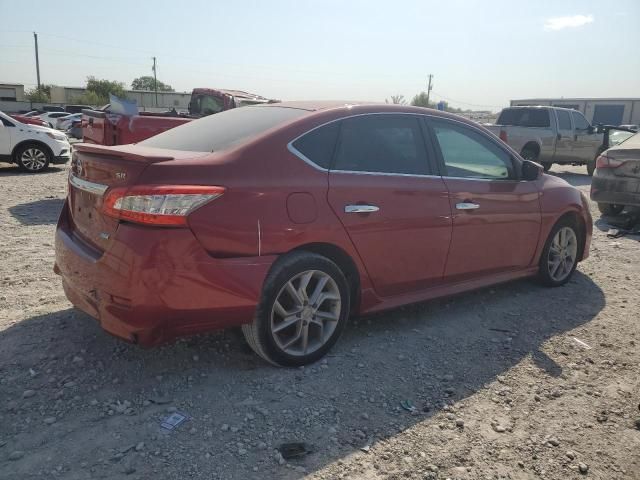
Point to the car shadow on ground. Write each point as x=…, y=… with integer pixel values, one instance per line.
x=40, y=212
x=13, y=170
x=575, y=179
x=431, y=355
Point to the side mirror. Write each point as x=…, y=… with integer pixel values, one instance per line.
x=531, y=170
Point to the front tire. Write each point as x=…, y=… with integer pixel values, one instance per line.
x=303, y=309
x=610, y=208
x=33, y=158
x=559, y=257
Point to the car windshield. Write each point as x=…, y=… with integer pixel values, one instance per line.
x=223, y=130
x=619, y=136
x=524, y=117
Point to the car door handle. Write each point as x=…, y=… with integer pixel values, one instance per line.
x=467, y=206
x=360, y=209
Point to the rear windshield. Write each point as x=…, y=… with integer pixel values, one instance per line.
x=223, y=130
x=524, y=117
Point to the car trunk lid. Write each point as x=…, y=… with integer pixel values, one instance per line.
x=628, y=154
x=94, y=170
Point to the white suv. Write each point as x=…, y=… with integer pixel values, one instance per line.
x=31, y=147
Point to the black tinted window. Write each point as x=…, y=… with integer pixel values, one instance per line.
x=468, y=153
x=564, y=121
x=382, y=143
x=579, y=122
x=524, y=117
x=223, y=130
x=318, y=145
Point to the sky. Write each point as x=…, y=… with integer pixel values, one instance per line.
x=481, y=53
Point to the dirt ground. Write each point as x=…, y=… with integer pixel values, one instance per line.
x=510, y=382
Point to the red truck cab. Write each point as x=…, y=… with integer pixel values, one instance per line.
x=106, y=128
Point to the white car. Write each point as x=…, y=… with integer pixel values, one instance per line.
x=31, y=147
x=63, y=123
x=52, y=117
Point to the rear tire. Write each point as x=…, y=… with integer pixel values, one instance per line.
x=610, y=208
x=33, y=158
x=560, y=254
x=303, y=309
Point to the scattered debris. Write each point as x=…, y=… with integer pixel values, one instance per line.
x=294, y=450
x=581, y=343
x=409, y=406
x=173, y=421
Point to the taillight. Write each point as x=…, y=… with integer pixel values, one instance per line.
x=158, y=205
x=503, y=135
x=607, y=162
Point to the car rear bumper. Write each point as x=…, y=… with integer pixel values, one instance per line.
x=619, y=190
x=154, y=285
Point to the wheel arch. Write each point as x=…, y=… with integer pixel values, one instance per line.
x=575, y=218
x=23, y=143
x=531, y=145
x=344, y=261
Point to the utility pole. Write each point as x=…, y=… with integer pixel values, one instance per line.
x=429, y=88
x=155, y=80
x=35, y=36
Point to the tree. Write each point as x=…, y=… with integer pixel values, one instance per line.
x=148, y=83
x=89, y=98
x=41, y=94
x=397, y=100
x=102, y=88
x=420, y=100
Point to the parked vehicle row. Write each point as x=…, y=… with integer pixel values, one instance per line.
x=31, y=147
x=286, y=219
x=549, y=135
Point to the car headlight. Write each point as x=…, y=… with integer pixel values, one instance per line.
x=57, y=136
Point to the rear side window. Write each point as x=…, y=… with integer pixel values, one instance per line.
x=468, y=153
x=382, y=144
x=524, y=117
x=223, y=130
x=579, y=121
x=318, y=145
x=564, y=121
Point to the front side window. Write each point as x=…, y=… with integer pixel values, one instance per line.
x=467, y=153
x=564, y=121
x=382, y=144
x=318, y=145
x=579, y=121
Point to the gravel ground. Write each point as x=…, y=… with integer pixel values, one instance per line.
x=512, y=382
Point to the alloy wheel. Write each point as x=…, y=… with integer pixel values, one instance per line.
x=33, y=159
x=305, y=313
x=562, y=254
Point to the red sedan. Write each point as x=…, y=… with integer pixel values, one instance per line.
x=288, y=218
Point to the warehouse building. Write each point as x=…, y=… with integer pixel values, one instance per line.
x=608, y=111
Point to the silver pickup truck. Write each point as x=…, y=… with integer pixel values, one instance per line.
x=549, y=135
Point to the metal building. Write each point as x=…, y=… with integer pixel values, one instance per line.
x=608, y=111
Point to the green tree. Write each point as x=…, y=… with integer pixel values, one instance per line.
x=41, y=94
x=420, y=100
x=147, y=83
x=102, y=89
x=89, y=98
x=397, y=100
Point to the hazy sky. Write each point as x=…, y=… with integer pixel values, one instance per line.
x=481, y=53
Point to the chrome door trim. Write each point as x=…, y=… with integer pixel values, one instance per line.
x=86, y=186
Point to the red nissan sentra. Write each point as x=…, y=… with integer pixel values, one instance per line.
x=288, y=218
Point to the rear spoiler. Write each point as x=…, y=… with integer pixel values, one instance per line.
x=120, y=153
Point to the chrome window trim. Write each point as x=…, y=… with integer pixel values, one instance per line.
x=86, y=186
x=310, y=162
